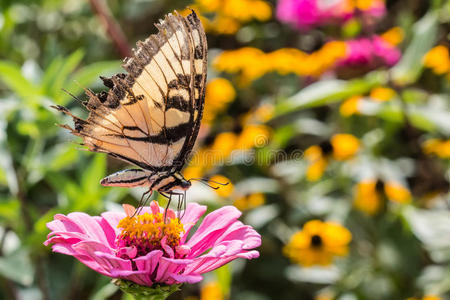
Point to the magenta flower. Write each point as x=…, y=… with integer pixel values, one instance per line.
x=371, y=52
x=146, y=249
x=307, y=14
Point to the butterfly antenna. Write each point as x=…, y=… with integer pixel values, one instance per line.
x=207, y=181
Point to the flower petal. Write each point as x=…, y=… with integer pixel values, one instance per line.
x=187, y=278
x=83, y=223
x=211, y=229
x=169, y=266
x=193, y=213
x=245, y=233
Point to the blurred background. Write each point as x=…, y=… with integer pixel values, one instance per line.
x=330, y=118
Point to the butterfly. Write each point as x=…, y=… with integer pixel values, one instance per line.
x=150, y=116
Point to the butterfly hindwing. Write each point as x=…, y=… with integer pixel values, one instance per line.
x=150, y=116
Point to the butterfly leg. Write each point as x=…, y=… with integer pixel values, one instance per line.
x=169, y=197
x=142, y=203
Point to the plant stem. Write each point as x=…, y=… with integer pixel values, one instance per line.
x=113, y=29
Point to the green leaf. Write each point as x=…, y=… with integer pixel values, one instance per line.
x=330, y=91
x=85, y=76
x=92, y=175
x=60, y=156
x=410, y=66
x=58, y=72
x=224, y=277
x=11, y=75
x=105, y=292
x=51, y=72
x=18, y=267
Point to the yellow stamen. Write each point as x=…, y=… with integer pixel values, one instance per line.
x=146, y=231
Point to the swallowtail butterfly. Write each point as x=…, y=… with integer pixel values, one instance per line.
x=150, y=117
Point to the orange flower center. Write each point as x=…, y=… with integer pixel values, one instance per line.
x=148, y=232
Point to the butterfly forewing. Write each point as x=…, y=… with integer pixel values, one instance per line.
x=150, y=117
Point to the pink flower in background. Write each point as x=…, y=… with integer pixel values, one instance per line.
x=147, y=249
x=307, y=14
x=373, y=52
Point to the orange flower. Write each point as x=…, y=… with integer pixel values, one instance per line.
x=438, y=60
x=438, y=147
x=426, y=297
x=315, y=170
x=393, y=36
x=350, y=106
x=223, y=190
x=344, y=146
x=219, y=93
x=249, y=201
x=211, y=291
x=381, y=94
x=396, y=192
x=367, y=197
x=318, y=243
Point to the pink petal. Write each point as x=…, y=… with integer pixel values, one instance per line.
x=81, y=222
x=187, y=278
x=192, y=214
x=113, y=219
x=212, y=228
x=239, y=231
x=169, y=266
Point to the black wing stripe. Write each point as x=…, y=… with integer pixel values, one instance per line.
x=170, y=136
x=178, y=103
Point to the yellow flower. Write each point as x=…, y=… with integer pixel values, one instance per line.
x=253, y=136
x=249, y=201
x=193, y=172
x=438, y=147
x=350, y=106
x=223, y=145
x=239, y=9
x=344, y=146
x=209, y=5
x=367, y=197
x=396, y=192
x=393, y=36
x=426, y=297
x=211, y=291
x=223, y=25
x=219, y=93
x=313, y=153
x=252, y=63
x=381, y=94
x=223, y=190
x=438, y=60
x=340, y=147
x=316, y=169
x=262, y=114
x=318, y=243
x=324, y=296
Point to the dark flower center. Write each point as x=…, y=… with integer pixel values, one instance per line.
x=379, y=186
x=326, y=147
x=316, y=241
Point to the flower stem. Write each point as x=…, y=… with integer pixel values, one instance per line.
x=140, y=292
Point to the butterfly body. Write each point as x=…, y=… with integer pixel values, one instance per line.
x=150, y=116
x=163, y=181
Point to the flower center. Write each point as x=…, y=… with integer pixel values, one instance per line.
x=148, y=232
x=316, y=241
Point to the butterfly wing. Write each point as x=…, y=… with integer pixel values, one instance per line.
x=150, y=117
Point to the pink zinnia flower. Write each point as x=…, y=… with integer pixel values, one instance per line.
x=147, y=249
x=372, y=52
x=307, y=14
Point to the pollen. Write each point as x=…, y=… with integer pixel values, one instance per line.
x=146, y=232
